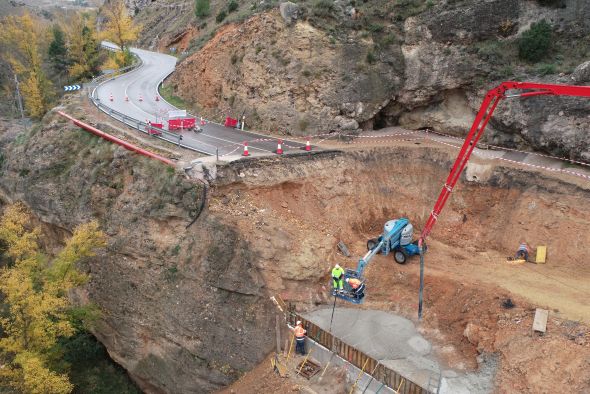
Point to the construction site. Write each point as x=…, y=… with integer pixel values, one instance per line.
x=476, y=334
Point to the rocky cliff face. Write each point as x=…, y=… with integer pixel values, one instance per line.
x=184, y=307
x=304, y=69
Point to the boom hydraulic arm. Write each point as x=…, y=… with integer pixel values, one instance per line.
x=489, y=104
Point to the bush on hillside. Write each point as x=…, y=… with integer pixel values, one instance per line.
x=323, y=8
x=220, y=17
x=535, y=42
x=552, y=3
x=232, y=6
x=202, y=8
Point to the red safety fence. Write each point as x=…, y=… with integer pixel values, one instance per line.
x=230, y=122
x=151, y=130
x=182, y=123
x=116, y=140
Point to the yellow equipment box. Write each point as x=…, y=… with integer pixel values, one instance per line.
x=541, y=254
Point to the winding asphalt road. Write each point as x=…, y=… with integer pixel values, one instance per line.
x=140, y=87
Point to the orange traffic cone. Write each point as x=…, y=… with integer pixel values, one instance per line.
x=279, y=148
x=245, y=149
x=308, y=144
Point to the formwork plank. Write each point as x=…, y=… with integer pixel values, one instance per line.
x=540, y=322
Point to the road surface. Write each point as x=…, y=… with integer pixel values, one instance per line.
x=135, y=95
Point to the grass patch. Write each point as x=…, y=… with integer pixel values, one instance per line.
x=167, y=91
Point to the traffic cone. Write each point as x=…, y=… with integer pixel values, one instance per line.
x=202, y=121
x=126, y=98
x=157, y=98
x=308, y=144
x=245, y=149
x=279, y=148
x=111, y=97
x=140, y=97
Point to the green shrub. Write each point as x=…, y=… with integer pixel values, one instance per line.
x=546, y=69
x=232, y=6
x=371, y=57
x=375, y=28
x=323, y=8
x=220, y=17
x=552, y=3
x=535, y=42
x=202, y=8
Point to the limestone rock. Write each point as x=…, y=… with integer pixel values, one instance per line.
x=289, y=11
x=582, y=73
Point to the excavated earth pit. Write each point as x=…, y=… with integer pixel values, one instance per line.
x=293, y=212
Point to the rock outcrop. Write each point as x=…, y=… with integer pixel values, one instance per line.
x=185, y=309
x=432, y=69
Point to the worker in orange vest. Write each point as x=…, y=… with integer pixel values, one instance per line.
x=356, y=286
x=299, y=338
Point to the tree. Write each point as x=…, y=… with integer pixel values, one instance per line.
x=57, y=50
x=202, y=8
x=535, y=42
x=84, y=55
x=35, y=293
x=119, y=27
x=21, y=37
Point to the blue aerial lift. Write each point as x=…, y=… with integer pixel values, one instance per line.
x=397, y=238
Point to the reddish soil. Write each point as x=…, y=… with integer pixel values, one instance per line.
x=295, y=219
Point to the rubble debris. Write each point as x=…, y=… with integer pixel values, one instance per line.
x=508, y=304
x=309, y=370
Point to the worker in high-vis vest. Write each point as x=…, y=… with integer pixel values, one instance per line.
x=299, y=332
x=354, y=283
x=357, y=286
x=338, y=277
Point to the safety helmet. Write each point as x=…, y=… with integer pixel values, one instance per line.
x=347, y=280
x=298, y=322
x=337, y=266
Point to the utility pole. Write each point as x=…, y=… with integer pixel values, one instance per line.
x=19, y=100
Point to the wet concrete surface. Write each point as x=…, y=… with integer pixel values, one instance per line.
x=397, y=344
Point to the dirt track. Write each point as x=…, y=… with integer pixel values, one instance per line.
x=294, y=212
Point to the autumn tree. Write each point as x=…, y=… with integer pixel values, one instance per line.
x=84, y=57
x=119, y=27
x=21, y=38
x=35, y=293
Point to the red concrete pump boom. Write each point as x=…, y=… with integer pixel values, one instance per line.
x=489, y=104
